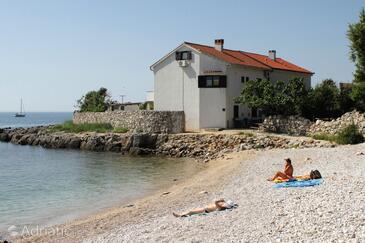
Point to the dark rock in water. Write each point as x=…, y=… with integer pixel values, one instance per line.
x=144, y=140
x=73, y=143
x=57, y=142
x=16, y=137
x=113, y=143
x=140, y=151
x=23, y=140
x=4, y=137
x=93, y=143
x=127, y=143
x=113, y=147
x=135, y=151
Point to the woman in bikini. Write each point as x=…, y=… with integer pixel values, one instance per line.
x=218, y=205
x=287, y=174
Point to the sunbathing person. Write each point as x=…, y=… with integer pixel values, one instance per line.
x=218, y=205
x=287, y=174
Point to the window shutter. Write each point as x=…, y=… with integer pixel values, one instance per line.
x=177, y=56
x=189, y=55
x=223, y=81
x=201, y=81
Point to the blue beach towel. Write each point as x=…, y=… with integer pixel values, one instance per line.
x=314, y=182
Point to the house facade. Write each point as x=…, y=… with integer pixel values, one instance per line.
x=203, y=81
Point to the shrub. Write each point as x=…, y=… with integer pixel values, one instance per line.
x=350, y=135
x=94, y=101
x=69, y=126
x=323, y=136
x=247, y=134
x=120, y=130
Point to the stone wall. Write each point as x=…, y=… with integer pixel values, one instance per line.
x=334, y=126
x=290, y=125
x=300, y=126
x=137, y=121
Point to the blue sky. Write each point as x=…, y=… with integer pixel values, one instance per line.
x=52, y=52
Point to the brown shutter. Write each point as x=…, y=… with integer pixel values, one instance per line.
x=223, y=81
x=201, y=81
x=189, y=55
x=177, y=56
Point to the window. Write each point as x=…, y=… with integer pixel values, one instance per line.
x=183, y=55
x=216, y=81
x=209, y=81
x=244, y=79
x=259, y=79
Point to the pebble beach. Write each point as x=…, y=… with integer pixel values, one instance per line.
x=332, y=211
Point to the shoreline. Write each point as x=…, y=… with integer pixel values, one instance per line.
x=129, y=212
x=204, y=146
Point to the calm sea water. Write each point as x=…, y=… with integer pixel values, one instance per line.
x=8, y=119
x=42, y=187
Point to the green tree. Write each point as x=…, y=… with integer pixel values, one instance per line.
x=345, y=101
x=323, y=100
x=259, y=95
x=358, y=95
x=275, y=98
x=356, y=35
x=297, y=96
x=94, y=101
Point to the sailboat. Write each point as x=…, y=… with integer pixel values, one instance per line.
x=22, y=112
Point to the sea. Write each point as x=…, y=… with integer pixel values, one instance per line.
x=45, y=187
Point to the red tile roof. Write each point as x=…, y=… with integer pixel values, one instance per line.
x=249, y=59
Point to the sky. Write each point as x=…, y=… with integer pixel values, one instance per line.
x=52, y=52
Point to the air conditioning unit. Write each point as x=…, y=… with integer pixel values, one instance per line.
x=183, y=63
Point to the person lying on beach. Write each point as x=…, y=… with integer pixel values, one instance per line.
x=287, y=174
x=218, y=205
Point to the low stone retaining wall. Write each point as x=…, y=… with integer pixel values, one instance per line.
x=137, y=121
x=334, y=126
x=300, y=126
x=290, y=125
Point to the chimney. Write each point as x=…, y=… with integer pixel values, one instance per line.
x=272, y=54
x=218, y=44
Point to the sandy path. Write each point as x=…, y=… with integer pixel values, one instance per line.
x=334, y=210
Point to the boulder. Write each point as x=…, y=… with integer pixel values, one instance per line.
x=93, y=143
x=4, y=137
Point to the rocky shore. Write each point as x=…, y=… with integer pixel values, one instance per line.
x=202, y=146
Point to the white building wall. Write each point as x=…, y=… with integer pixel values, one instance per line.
x=234, y=88
x=212, y=109
x=285, y=76
x=176, y=88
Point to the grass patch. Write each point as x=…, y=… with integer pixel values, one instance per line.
x=69, y=126
x=120, y=130
x=247, y=134
x=348, y=135
x=323, y=136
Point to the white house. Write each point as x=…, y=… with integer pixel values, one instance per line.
x=203, y=81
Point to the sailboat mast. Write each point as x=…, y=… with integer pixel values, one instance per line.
x=21, y=105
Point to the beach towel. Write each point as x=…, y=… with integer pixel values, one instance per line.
x=296, y=178
x=298, y=183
